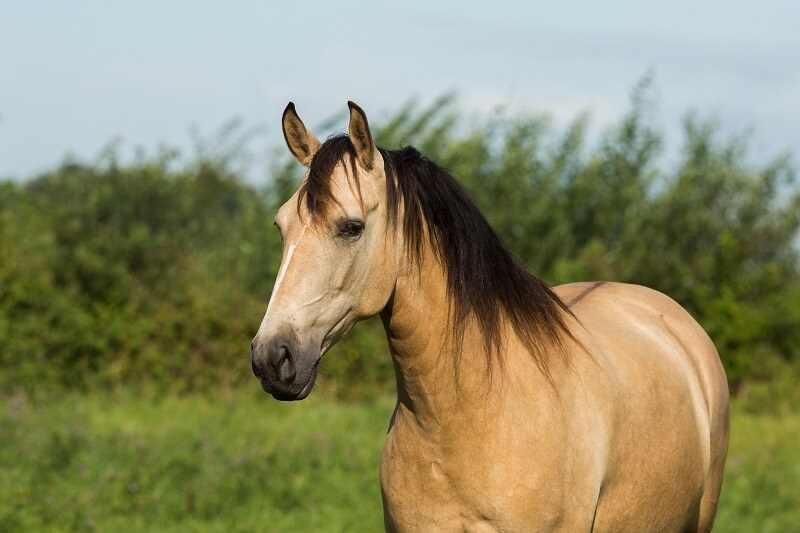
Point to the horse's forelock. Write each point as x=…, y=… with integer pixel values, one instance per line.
x=316, y=193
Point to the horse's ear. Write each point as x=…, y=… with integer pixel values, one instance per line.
x=361, y=137
x=301, y=142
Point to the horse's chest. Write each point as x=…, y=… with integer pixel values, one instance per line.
x=470, y=489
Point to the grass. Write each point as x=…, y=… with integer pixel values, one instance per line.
x=239, y=461
x=761, y=491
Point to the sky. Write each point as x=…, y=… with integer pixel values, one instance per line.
x=76, y=75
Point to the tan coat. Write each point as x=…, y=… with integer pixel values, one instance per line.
x=632, y=437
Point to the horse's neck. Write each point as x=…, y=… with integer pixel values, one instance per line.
x=434, y=383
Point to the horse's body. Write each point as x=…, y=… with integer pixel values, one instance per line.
x=611, y=416
x=631, y=438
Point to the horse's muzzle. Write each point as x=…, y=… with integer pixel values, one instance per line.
x=285, y=367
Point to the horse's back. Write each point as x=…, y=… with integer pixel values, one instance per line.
x=668, y=416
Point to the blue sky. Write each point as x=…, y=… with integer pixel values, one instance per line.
x=75, y=75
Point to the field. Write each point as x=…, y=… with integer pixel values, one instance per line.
x=239, y=461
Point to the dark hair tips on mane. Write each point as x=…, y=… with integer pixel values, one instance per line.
x=484, y=279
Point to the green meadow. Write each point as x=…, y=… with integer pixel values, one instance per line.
x=239, y=461
x=233, y=461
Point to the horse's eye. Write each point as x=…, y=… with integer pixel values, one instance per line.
x=350, y=229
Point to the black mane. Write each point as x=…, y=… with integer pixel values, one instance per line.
x=484, y=279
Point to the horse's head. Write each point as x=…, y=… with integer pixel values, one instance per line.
x=339, y=257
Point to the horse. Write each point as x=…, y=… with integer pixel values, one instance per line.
x=592, y=406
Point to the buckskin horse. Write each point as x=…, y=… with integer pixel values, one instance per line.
x=520, y=407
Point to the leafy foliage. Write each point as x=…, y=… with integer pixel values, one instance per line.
x=116, y=274
x=154, y=272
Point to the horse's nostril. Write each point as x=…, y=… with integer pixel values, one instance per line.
x=283, y=364
x=256, y=370
x=287, y=371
